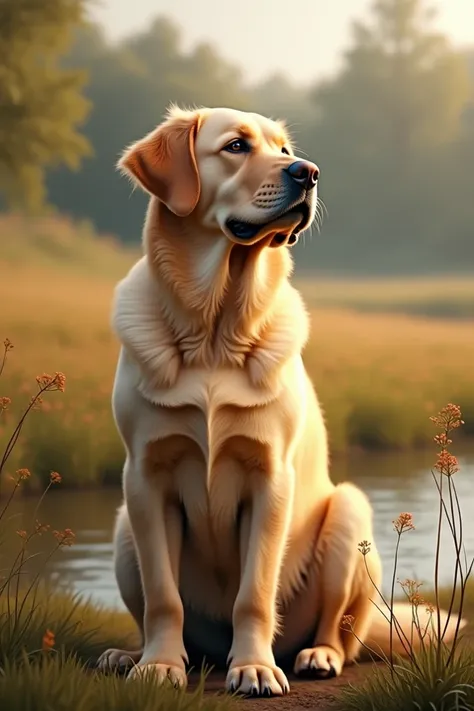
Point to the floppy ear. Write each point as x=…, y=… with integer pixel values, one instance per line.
x=164, y=163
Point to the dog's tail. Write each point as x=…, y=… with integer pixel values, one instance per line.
x=378, y=638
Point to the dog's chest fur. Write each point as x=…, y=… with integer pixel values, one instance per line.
x=207, y=434
x=207, y=440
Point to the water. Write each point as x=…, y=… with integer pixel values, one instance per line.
x=393, y=482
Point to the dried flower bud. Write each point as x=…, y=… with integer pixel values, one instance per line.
x=347, y=621
x=447, y=463
x=4, y=403
x=449, y=418
x=403, y=523
x=364, y=547
x=49, y=640
x=65, y=538
x=23, y=474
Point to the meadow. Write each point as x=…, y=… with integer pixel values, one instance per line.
x=50, y=641
x=47, y=661
x=379, y=369
x=431, y=296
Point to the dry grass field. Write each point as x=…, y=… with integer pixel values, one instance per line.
x=379, y=371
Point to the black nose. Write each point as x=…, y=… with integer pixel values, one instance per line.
x=304, y=173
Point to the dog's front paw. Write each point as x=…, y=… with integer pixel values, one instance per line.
x=319, y=662
x=161, y=673
x=118, y=659
x=257, y=680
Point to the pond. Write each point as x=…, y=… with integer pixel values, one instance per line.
x=394, y=483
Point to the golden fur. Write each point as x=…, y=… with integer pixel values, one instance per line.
x=232, y=539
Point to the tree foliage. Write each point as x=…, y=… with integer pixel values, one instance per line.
x=388, y=129
x=393, y=130
x=130, y=86
x=41, y=104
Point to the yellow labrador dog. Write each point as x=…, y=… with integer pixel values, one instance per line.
x=233, y=544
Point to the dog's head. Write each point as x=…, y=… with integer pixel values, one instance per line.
x=231, y=171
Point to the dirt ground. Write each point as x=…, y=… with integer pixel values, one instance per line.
x=308, y=695
x=304, y=695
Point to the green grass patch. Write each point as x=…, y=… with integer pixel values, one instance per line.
x=429, y=686
x=64, y=676
x=80, y=628
x=60, y=683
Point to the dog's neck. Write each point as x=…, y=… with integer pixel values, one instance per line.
x=207, y=275
x=196, y=299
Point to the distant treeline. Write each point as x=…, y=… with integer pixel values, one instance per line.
x=393, y=134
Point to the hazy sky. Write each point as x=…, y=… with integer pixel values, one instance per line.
x=302, y=37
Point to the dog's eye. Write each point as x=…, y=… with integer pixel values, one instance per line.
x=238, y=145
x=285, y=151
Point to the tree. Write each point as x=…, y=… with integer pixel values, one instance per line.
x=131, y=84
x=41, y=104
x=386, y=124
x=393, y=133
x=277, y=97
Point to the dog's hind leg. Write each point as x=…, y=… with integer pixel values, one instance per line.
x=128, y=578
x=342, y=583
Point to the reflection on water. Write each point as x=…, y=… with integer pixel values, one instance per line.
x=394, y=483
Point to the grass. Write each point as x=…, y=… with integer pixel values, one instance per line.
x=378, y=376
x=36, y=675
x=50, y=643
x=405, y=691
x=434, y=297
x=81, y=629
x=436, y=672
x=61, y=245
x=63, y=684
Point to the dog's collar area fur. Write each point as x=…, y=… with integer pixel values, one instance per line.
x=207, y=304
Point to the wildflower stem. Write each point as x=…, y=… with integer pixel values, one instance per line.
x=380, y=655
x=6, y=348
x=444, y=504
x=17, y=431
x=49, y=384
x=22, y=557
x=16, y=572
x=36, y=578
x=457, y=537
x=436, y=571
x=397, y=625
x=17, y=587
x=392, y=595
x=462, y=593
x=41, y=499
x=10, y=498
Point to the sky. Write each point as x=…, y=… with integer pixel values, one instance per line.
x=302, y=38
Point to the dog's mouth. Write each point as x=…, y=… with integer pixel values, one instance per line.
x=248, y=232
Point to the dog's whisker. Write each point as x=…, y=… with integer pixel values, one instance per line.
x=321, y=207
